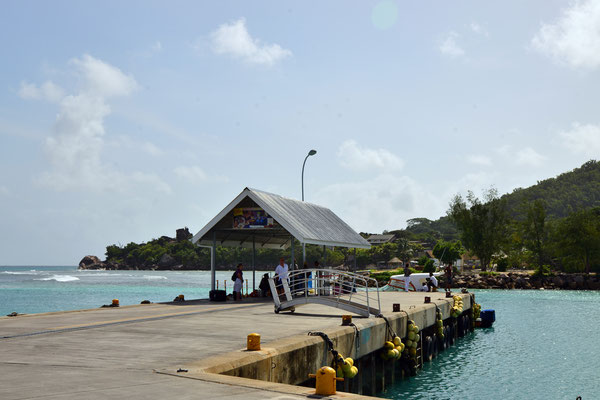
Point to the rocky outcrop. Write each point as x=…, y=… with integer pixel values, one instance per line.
x=513, y=280
x=90, y=262
x=166, y=261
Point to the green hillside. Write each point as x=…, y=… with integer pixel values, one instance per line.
x=569, y=192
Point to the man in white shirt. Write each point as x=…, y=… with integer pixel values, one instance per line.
x=433, y=283
x=282, y=273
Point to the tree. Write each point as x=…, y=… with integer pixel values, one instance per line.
x=448, y=252
x=578, y=238
x=482, y=225
x=404, y=250
x=534, y=231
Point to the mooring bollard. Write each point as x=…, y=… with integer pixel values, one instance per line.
x=253, y=342
x=346, y=320
x=396, y=307
x=326, y=379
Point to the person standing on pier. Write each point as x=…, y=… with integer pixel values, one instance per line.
x=282, y=273
x=448, y=272
x=432, y=283
x=239, y=281
x=406, y=277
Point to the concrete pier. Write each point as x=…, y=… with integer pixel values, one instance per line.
x=135, y=352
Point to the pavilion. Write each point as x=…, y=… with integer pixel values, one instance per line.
x=257, y=219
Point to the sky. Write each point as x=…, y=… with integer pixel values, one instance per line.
x=124, y=121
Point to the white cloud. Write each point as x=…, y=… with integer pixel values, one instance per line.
x=582, y=139
x=157, y=47
x=4, y=191
x=192, y=174
x=151, y=149
x=479, y=160
x=102, y=79
x=195, y=174
x=530, y=157
x=76, y=146
x=450, y=47
x=48, y=91
x=384, y=202
x=478, y=29
x=233, y=39
x=574, y=39
x=352, y=156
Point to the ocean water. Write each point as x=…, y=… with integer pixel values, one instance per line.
x=543, y=345
x=42, y=289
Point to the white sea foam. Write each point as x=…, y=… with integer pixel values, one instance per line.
x=60, y=278
x=154, y=277
x=32, y=272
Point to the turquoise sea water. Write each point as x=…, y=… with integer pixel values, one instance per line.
x=42, y=289
x=543, y=345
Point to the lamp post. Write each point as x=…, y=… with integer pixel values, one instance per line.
x=310, y=153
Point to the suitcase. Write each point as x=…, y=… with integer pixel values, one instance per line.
x=217, y=295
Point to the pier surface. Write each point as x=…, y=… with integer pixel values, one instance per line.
x=130, y=352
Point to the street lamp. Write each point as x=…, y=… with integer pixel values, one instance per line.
x=310, y=153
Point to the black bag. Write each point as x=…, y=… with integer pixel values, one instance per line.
x=217, y=295
x=234, y=276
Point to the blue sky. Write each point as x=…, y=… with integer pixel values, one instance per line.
x=123, y=121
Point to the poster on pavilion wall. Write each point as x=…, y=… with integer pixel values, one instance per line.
x=251, y=218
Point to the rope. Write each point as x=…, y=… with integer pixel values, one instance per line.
x=355, y=337
x=390, y=331
x=327, y=341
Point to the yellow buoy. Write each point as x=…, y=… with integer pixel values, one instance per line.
x=253, y=342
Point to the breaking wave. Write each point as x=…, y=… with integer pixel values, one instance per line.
x=60, y=278
x=154, y=277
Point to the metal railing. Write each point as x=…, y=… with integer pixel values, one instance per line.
x=346, y=290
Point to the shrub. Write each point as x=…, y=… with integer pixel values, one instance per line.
x=502, y=265
x=488, y=273
x=429, y=266
x=543, y=270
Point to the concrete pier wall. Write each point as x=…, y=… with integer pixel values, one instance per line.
x=290, y=360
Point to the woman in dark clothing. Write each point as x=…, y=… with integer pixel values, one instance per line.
x=239, y=280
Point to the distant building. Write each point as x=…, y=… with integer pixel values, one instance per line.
x=395, y=262
x=380, y=239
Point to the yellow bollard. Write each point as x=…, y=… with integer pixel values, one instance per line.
x=253, y=342
x=115, y=303
x=326, y=379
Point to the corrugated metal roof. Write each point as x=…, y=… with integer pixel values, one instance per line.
x=307, y=222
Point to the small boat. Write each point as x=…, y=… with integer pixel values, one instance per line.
x=486, y=319
x=415, y=282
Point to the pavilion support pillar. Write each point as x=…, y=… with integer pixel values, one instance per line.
x=213, y=262
x=303, y=254
x=292, y=253
x=355, y=260
x=253, y=264
x=324, y=256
